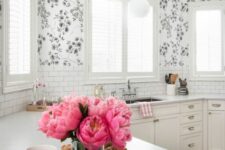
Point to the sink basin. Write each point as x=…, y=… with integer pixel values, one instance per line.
x=142, y=100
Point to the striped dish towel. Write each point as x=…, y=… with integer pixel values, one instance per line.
x=146, y=109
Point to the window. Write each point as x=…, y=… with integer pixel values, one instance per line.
x=19, y=44
x=120, y=45
x=208, y=40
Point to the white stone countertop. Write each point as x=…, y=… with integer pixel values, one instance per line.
x=19, y=131
x=165, y=99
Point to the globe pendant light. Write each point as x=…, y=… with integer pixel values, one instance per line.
x=139, y=8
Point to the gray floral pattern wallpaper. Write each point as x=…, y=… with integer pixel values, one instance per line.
x=174, y=46
x=61, y=32
x=60, y=38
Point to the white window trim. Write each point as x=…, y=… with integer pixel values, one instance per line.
x=104, y=78
x=205, y=76
x=19, y=82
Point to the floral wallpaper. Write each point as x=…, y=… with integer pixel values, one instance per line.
x=60, y=37
x=173, y=30
x=61, y=32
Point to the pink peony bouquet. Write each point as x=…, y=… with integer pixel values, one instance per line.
x=89, y=121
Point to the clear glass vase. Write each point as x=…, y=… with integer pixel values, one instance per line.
x=79, y=146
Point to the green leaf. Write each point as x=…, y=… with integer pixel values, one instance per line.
x=83, y=110
x=80, y=146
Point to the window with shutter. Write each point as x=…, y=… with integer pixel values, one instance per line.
x=19, y=20
x=19, y=37
x=120, y=45
x=208, y=40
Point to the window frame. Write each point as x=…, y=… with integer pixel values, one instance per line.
x=121, y=77
x=18, y=82
x=205, y=75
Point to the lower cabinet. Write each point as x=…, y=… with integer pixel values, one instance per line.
x=143, y=129
x=163, y=131
x=216, y=130
x=167, y=132
x=187, y=128
x=176, y=126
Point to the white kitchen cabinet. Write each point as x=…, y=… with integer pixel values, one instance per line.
x=167, y=132
x=162, y=129
x=143, y=129
x=216, y=130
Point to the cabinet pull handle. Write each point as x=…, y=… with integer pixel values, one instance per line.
x=216, y=105
x=191, y=145
x=191, y=106
x=156, y=120
x=191, y=117
x=210, y=113
x=191, y=128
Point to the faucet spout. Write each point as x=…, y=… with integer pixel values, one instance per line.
x=128, y=85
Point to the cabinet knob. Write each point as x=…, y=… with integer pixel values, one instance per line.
x=191, y=117
x=191, y=128
x=216, y=105
x=210, y=113
x=156, y=120
x=191, y=106
x=191, y=145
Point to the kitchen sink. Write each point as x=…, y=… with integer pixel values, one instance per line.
x=139, y=100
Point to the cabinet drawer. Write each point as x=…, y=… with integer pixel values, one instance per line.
x=191, y=117
x=159, y=110
x=164, y=110
x=191, y=106
x=193, y=142
x=216, y=105
x=191, y=128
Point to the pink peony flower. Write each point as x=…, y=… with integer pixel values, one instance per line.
x=60, y=119
x=118, y=121
x=107, y=121
x=96, y=106
x=93, y=132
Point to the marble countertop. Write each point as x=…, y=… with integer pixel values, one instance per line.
x=172, y=99
x=19, y=131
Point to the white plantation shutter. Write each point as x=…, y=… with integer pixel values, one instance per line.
x=140, y=42
x=107, y=25
x=19, y=37
x=119, y=45
x=20, y=44
x=209, y=41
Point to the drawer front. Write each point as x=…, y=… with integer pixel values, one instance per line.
x=191, y=142
x=164, y=110
x=216, y=105
x=191, y=117
x=191, y=106
x=191, y=128
x=159, y=110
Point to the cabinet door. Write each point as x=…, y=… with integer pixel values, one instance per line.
x=143, y=130
x=216, y=130
x=167, y=132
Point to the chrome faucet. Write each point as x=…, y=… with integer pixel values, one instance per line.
x=129, y=93
x=128, y=85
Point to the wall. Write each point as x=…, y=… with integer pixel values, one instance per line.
x=13, y=102
x=61, y=49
